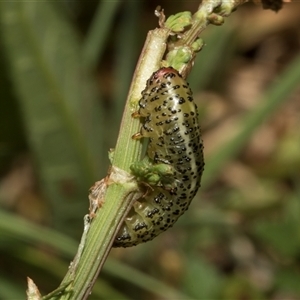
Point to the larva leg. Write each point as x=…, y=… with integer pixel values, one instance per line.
x=161, y=175
x=137, y=136
x=136, y=114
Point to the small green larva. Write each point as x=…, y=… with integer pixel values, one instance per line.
x=171, y=124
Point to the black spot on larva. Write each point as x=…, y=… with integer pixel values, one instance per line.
x=166, y=99
x=181, y=100
x=176, y=128
x=139, y=226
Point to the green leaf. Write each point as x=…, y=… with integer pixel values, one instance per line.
x=201, y=279
x=9, y=290
x=282, y=234
x=275, y=96
x=58, y=102
x=287, y=280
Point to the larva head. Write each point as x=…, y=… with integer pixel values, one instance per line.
x=158, y=85
x=162, y=73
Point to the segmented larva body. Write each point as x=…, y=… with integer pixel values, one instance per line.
x=172, y=126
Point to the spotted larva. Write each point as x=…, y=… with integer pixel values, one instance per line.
x=170, y=121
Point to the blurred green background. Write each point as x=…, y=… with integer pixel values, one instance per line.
x=65, y=70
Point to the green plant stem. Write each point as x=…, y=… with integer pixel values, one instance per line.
x=97, y=247
x=201, y=21
x=149, y=62
x=120, y=195
x=14, y=229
